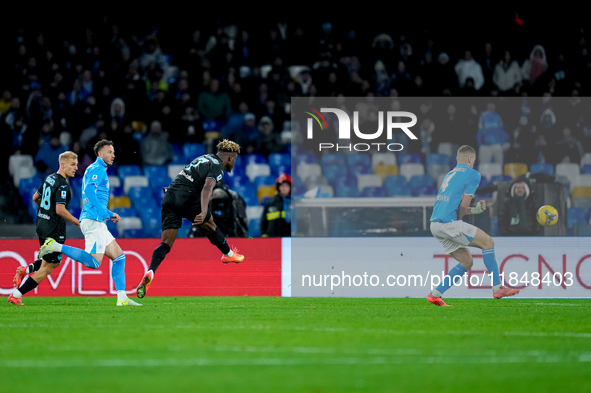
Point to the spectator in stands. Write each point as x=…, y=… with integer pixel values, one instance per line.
x=446, y=83
x=268, y=140
x=248, y=132
x=276, y=217
x=47, y=158
x=586, y=138
x=517, y=217
x=84, y=159
x=507, y=74
x=190, y=127
x=522, y=139
x=534, y=69
x=5, y=101
x=492, y=137
x=428, y=142
x=117, y=112
x=128, y=147
x=214, y=104
x=155, y=148
x=488, y=60
x=568, y=147
x=469, y=68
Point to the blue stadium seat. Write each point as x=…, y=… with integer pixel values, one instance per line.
x=359, y=163
x=248, y=193
x=152, y=225
x=373, y=192
x=575, y=216
x=358, y=158
x=133, y=233
x=542, y=167
x=425, y=179
x=179, y=156
x=76, y=185
x=437, y=159
x=280, y=169
x=254, y=227
x=155, y=171
x=149, y=212
x=585, y=169
x=409, y=158
x=496, y=178
x=422, y=185
x=396, y=185
x=348, y=179
x=141, y=197
x=125, y=211
x=185, y=229
x=254, y=158
x=157, y=182
x=333, y=159
x=307, y=158
x=112, y=227
x=263, y=181
x=279, y=159
x=234, y=180
x=193, y=150
x=334, y=172
x=129, y=170
x=344, y=190
x=27, y=187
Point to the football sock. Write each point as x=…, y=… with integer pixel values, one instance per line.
x=158, y=256
x=217, y=239
x=33, y=267
x=81, y=256
x=490, y=261
x=17, y=293
x=118, y=272
x=27, y=286
x=448, y=280
x=121, y=295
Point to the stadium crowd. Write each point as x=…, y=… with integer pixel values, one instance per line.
x=151, y=94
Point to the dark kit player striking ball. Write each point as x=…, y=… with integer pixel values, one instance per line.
x=188, y=196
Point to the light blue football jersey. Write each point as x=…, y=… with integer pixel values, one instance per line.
x=460, y=181
x=95, y=181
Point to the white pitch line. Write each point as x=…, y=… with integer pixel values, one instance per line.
x=327, y=330
x=347, y=360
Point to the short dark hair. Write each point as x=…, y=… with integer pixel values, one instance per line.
x=100, y=144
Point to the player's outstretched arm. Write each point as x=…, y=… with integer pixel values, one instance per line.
x=61, y=211
x=37, y=199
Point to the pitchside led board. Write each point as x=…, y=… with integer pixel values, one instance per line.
x=367, y=171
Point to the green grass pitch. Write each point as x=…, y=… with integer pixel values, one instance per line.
x=271, y=344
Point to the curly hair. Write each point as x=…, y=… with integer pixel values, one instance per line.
x=228, y=146
x=100, y=144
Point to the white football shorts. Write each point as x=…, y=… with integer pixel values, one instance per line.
x=453, y=235
x=96, y=236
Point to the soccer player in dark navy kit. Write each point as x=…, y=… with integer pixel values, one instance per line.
x=53, y=198
x=451, y=205
x=188, y=196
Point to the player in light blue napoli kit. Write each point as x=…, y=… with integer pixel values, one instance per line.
x=451, y=205
x=98, y=240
